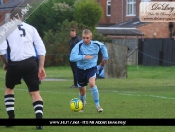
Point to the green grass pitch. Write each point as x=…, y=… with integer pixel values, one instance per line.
x=148, y=92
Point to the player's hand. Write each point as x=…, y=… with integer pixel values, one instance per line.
x=105, y=61
x=41, y=74
x=5, y=67
x=88, y=57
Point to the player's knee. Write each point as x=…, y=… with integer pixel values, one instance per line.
x=9, y=91
x=92, y=85
x=34, y=94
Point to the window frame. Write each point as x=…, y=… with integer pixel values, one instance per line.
x=145, y=0
x=1, y=2
x=131, y=4
x=108, y=4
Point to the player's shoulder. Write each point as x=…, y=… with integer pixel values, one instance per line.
x=97, y=42
x=80, y=42
x=28, y=26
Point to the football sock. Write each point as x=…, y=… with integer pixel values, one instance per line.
x=82, y=98
x=9, y=103
x=95, y=95
x=38, y=107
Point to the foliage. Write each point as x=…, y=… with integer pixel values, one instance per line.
x=88, y=12
x=57, y=43
x=101, y=38
x=53, y=20
x=49, y=17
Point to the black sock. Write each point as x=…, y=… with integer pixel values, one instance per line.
x=9, y=103
x=38, y=107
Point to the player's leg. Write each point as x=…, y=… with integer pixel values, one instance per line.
x=13, y=77
x=94, y=89
x=82, y=94
x=32, y=81
x=82, y=83
x=9, y=100
x=37, y=104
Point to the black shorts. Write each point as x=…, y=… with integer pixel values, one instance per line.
x=83, y=76
x=26, y=69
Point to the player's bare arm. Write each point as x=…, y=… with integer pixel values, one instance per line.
x=41, y=72
x=3, y=58
x=88, y=57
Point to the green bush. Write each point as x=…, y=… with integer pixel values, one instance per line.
x=88, y=12
x=49, y=16
x=57, y=43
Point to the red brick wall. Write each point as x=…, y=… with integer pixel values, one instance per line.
x=118, y=11
x=2, y=16
x=5, y=1
x=104, y=19
x=160, y=28
x=126, y=18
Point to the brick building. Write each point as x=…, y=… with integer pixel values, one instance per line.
x=3, y=12
x=121, y=18
x=5, y=7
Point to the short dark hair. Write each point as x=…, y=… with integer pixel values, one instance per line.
x=16, y=13
x=73, y=29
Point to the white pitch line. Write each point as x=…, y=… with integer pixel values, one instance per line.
x=128, y=93
x=155, y=96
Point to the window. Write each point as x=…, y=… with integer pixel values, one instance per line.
x=108, y=9
x=145, y=5
x=1, y=2
x=145, y=0
x=130, y=7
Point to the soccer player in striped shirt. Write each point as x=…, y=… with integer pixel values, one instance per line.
x=21, y=62
x=85, y=54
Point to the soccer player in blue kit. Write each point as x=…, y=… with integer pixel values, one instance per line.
x=85, y=54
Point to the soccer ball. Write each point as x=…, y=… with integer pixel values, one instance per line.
x=76, y=104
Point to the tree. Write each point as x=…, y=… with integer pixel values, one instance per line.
x=88, y=12
x=49, y=17
x=57, y=43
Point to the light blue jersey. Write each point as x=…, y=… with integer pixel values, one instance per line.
x=81, y=50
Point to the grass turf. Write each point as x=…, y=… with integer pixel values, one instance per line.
x=148, y=92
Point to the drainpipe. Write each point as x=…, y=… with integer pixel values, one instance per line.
x=171, y=27
x=122, y=10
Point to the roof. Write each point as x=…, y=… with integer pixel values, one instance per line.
x=135, y=22
x=12, y=4
x=128, y=28
x=119, y=31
